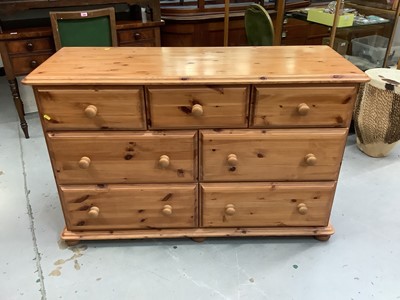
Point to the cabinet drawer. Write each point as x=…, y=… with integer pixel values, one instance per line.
x=135, y=35
x=266, y=204
x=303, y=106
x=129, y=206
x=193, y=107
x=92, y=108
x=30, y=45
x=123, y=157
x=23, y=65
x=277, y=154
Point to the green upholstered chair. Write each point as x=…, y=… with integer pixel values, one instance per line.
x=259, y=26
x=84, y=28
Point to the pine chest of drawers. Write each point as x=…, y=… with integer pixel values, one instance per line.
x=196, y=142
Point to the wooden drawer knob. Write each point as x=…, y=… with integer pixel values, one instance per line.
x=230, y=209
x=163, y=161
x=167, y=210
x=94, y=212
x=29, y=46
x=34, y=64
x=91, y=111
x=232, y=160
x=84, y=162
x=303, y=109
x=137, y=36
x=310, y=159
x=197, y=110
x=302, y=208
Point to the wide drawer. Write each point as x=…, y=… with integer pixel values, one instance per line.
x=194, y=107
x=30, y=45
x=129, y=206
x=91, y=108
x=123, y=157
x=322, y=106
x=266, y=204
x=23, y=65
x=276, y=154
x=135, y=35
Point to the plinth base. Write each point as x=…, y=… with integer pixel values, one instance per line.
x=320, y=233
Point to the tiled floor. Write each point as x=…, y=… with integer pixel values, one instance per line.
x=361, y=261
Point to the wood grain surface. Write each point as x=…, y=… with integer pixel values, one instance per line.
x=129, y=206
x=123, y=157
x=188, y=65
x=266, y=204
x=276, y=154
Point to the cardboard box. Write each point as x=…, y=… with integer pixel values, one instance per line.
x=318, y=15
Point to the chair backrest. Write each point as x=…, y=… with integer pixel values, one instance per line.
x=84, y=28
x=258, y=25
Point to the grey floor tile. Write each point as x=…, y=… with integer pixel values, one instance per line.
x=19, y=276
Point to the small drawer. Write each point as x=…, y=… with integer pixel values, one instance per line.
x=123, y=157
x=266, y=155
x=23, y=65
x=266, y=204
x=198, y=106
x=91, y=108
x=108, y=207
x=322, y=106
x=135, y=35
x=30, y=45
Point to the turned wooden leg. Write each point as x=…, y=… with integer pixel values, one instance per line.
x=322, y=238
x=198, y=239
x=19, y=106
x=72, y=242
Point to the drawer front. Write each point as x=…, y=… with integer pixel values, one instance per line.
x=266, y=204
x=30, y=45
x=23, y=65
x=129, y=206
x=303, y=106
x=151, y=43
x=194, y=107
x=135, y=35
x=92, y=108
x=295, y=28
x=277, y=154
x=123, y=157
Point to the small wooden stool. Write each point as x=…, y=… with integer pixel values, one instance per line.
x=377, y=112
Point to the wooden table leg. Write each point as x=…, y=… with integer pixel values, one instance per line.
x=19, y=105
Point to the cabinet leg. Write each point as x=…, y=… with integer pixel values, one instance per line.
x=322, y=238
x=198, y=239
x=71, y=242
x=19, y=106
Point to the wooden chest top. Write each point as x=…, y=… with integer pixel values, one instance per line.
x=216, y=65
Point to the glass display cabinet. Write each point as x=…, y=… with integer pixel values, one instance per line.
x=368, y=41
x=371, y=38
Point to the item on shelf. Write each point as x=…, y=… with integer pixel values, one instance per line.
x=373, y=48
x=366, y=20
x=318, y=15
x=377, y=112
